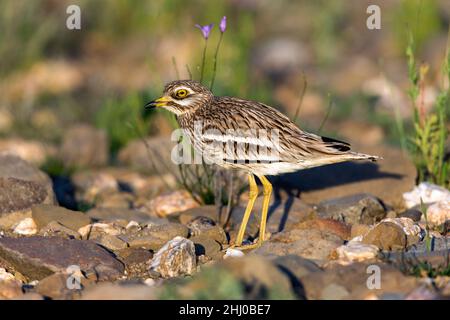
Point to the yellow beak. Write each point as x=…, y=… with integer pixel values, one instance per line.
x=161, y=102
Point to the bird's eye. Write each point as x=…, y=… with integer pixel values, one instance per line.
x=181, y=93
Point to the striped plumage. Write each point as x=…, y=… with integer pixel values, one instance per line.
x=248, y=135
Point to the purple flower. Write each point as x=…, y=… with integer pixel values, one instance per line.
x=223, y=24
x=205, y=29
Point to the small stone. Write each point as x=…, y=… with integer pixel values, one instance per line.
x=155, y=236
x=26, y=227
x=207, y=246
x=44, y=214
x=428, y=192
x=55, y=229
x=168, y=204
x=356, y=251
x=10, y=289
x=209, y=212
x=34, y=152
x=90, y=184
x=93, y=231
x=118, y=200
x=360, y=208
x=310, y=244
x=111, y=242
x=233, y=253
x=112, y=214
x=359, y=230
x=175, y=258
x=205, y=226
x=55, y=287
x=413, y=214
x=326, y=225
x=438, y=213
x=386, y=236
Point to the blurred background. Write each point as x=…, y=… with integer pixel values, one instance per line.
x=356, y=79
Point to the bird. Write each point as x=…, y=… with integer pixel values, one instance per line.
x=235, y=133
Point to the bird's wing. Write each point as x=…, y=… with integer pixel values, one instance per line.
x=273, y=130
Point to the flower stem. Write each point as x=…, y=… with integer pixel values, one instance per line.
x=215, y=62
x=203, y=61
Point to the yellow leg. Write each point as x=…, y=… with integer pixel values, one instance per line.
x=253, y=194
x=267, y=191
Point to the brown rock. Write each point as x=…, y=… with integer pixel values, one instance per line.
x=386, y=236
x=55, y=287
x=44, y=214
x=338, y=228
x=168, y=204
x=38, y=257
x=310, y=244
x=359, y=230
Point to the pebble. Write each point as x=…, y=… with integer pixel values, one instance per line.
x=233, y=253
x=438, y=213
x=356, y=251
x=428, y=192
x=175, y=258
x=26, y=227
x=168, y=204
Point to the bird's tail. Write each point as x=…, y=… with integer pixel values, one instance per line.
x=362, y=156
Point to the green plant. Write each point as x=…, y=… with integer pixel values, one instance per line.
x=123, y=120
x=427, y=141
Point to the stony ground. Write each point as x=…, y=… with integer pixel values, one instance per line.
x=352, y=233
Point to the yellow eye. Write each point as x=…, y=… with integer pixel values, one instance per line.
x=181, y=93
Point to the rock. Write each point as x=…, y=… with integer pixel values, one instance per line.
x=155, y=236
x=119, y=291
x=428, y=192
x=355, y=280
x=136, y=260
x=26, y=227
x=438, y=213
x=175, y=258
x=386, y=236
x=44, y=214
x=359, y=230
x=55, y=229
x=111, y=242
x=207, y=246
x=356, y=251
x=95, y=230
x=359, y=208
x=168, y=204
x=112, y=214
x=21, y=187
x=34, y=152
x=233, y=253
x=55, y=287
x=386, y=179
x=209, y=212
x=89, y=184
x=203, y=226
x=121, y=200
x=38, y=257
x=413, y=214
x=10, y=289
x=326, y=225
x=310, y=244
x=84, y=146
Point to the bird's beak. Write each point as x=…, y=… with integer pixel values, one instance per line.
x=161, y=102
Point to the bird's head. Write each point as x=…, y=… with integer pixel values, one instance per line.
x=182, y=96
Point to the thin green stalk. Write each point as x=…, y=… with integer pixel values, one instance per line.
x=203, y=60
x=215, y=61
x=330, y=105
